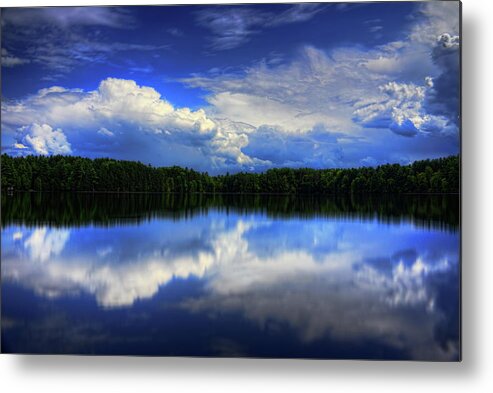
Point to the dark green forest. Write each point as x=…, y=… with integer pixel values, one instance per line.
x=69, y=173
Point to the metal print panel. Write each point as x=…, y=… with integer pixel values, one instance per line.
x=259, y=180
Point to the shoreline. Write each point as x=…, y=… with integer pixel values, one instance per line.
x=228, y=193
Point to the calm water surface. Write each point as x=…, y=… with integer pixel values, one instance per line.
x=231, y=276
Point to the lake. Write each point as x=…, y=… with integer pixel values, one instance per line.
x=230, y=275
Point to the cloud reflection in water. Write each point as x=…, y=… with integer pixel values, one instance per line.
x=350, y=280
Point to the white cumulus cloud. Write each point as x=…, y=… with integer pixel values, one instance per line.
x=121, y=109
x=401, y=108
x=42, y=139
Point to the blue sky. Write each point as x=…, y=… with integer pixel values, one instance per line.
x=234, y=88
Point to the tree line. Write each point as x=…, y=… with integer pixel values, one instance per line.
x=70, y=173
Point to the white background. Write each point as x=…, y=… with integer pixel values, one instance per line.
x=475, y=373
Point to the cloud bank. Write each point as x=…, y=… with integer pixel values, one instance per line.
x=339, y=107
